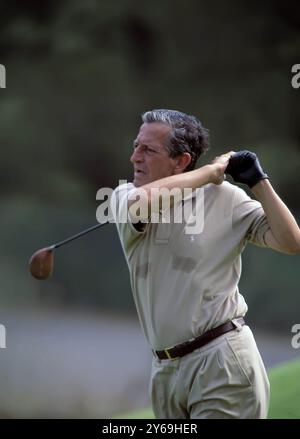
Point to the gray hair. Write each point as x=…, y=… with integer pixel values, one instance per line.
x=187, y=133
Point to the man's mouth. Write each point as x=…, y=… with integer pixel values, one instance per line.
x=138, y=172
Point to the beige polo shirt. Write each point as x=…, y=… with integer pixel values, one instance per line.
x=184, y=284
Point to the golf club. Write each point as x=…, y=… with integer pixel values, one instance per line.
x=41, y=262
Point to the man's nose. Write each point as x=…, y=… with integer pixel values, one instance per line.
x=137, y=155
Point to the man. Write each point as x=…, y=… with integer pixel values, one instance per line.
x=205, y=360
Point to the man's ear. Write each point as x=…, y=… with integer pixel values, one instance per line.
x=182, y=161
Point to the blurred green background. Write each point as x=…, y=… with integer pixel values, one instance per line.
x=79, y=74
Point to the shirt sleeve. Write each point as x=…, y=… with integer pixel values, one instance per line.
x=250, y=218
x=128, y=232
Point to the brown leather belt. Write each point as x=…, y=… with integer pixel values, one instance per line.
x=189, y=346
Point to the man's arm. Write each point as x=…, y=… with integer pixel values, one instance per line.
x=212, y=173
x=284, y=233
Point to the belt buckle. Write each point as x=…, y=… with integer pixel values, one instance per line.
x=168, y=355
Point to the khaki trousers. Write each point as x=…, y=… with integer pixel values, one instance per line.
x=224, y=379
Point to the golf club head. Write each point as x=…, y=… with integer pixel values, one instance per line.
x=41, y=263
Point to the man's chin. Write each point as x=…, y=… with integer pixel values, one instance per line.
x=139, y=181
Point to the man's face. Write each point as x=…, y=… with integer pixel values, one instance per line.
x=150, y=157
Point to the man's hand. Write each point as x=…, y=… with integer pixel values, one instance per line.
x=244, y=167
x=218, y=167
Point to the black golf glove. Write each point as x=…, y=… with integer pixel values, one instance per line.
x=244, y=167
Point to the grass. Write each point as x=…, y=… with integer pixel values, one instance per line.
x=285, y=394
x=285, y=391
x=137, y=414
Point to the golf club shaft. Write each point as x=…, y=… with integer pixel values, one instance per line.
x=84, y=232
